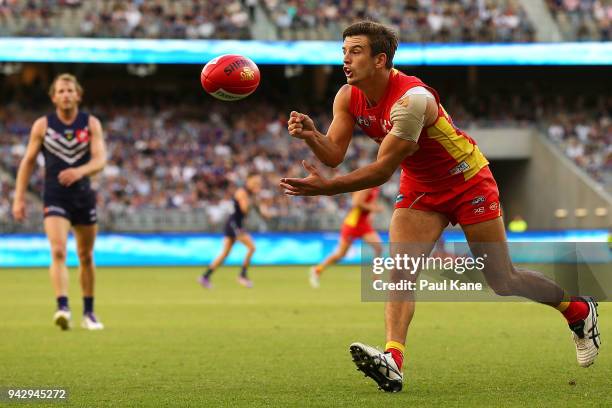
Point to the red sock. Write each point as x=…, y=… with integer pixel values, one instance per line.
x=397, y=355
x=577, y=310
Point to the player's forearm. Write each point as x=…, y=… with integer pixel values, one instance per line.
x=372, y=175
x=93, y=166
x=325, y=150
x=26, y=167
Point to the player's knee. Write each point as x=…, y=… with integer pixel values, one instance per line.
x=58, y=253
x=398, y=275
x=86, y=258
x=252, y=248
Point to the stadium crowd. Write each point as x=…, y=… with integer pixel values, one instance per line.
x=5, y=198
x=172, y=159
x=416, y=20
x=588, y=143
x=219, y=19
x=583, y=20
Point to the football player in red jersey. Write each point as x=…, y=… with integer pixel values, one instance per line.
x=355, y=225
x=445, y=178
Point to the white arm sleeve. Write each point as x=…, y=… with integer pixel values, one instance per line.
x=419, y=90
x=408, y=117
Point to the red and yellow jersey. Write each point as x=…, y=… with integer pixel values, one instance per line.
x=446, y=157
x=357, y=215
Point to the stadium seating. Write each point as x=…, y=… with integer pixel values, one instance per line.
x=416, y=20
x=218, y=19
x=167, y=169
x=583, y=19
x=587, y=142
x=159, y=162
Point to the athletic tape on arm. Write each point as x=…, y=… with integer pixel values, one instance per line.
x=408, y=117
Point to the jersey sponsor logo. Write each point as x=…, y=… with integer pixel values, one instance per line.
x=82, y=135
x=479, y=210
x=478, y=200
x=361, y=121
x=494, y=206
x=53, y=134
x=460, y=168
x=399, y=198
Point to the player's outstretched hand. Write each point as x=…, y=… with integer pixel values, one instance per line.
x=19, y=210
x=300, y=125
x=312, y=185
x=69, y=176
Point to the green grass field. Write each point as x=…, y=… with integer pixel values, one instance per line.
x=168, y=342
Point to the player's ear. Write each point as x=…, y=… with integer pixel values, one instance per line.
x=381, y=60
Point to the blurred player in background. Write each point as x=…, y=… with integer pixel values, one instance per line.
x=445, y=178
x=73, y=147
x=234, y=231
x=356, y=225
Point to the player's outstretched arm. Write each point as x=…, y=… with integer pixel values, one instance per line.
x=330, y=148
x=408, y=116
x=392, y=152
x=98, y=157
x=27, y=166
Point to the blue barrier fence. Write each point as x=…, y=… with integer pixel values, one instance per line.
x=145, y=51
x=32, y=250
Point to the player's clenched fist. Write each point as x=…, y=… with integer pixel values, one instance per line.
x=300, y=125
x=19, y=210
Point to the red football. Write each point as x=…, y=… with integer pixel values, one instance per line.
x=230, y=77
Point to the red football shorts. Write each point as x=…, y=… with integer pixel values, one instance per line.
x=362, y=228
x=476, y=200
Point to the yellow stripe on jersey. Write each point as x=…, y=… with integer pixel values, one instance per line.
x=353, y=217
x=457, y=146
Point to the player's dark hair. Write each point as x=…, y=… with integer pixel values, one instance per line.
x=383, y=40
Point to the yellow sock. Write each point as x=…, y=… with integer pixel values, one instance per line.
x=395, y=345
x=564, y=303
